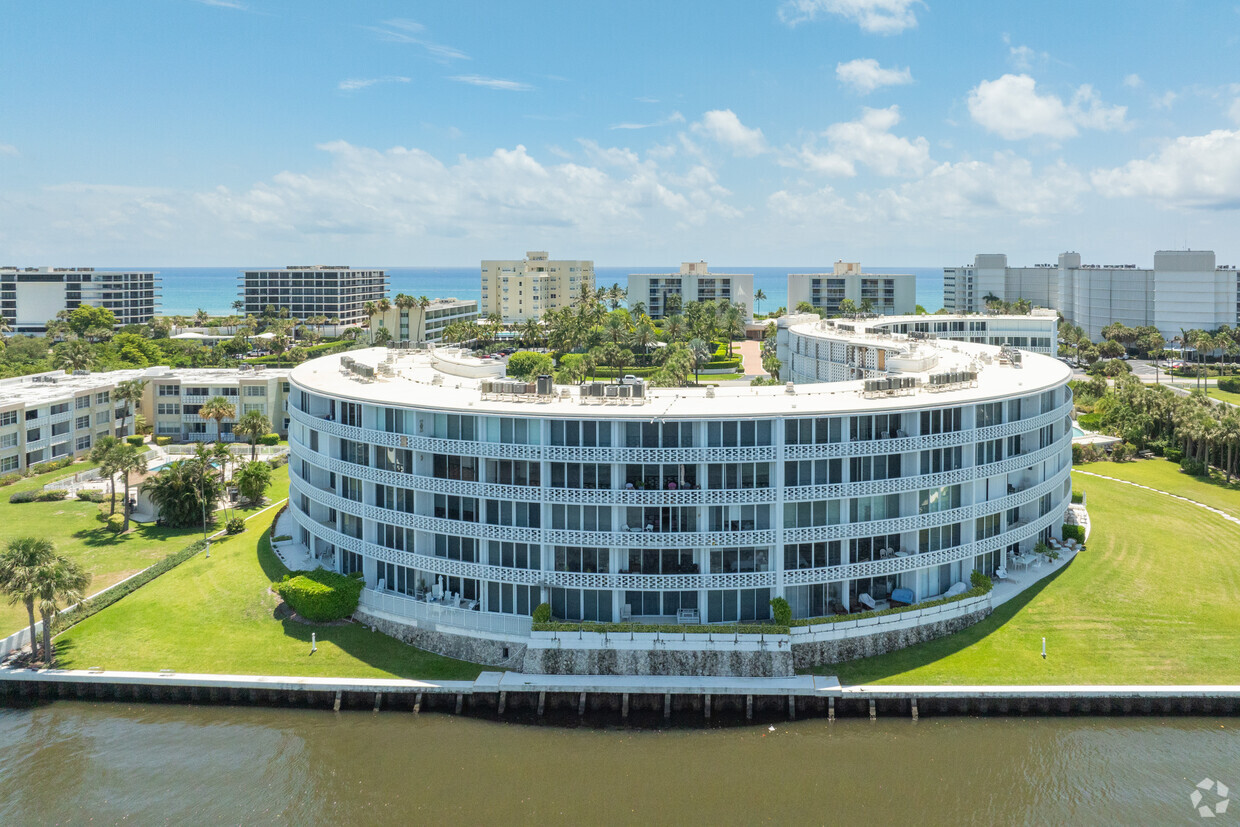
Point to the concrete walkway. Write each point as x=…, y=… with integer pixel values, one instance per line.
x=751, y=357
x=1211, y=509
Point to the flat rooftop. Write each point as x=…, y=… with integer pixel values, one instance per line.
x=44, y=388
x=417, y=380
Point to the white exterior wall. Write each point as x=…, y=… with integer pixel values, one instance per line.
x=32, y=296
x=528, y=288
x=334, y=292
x=170, y=391
x=1190, y=292
x=693, y=283
x=344, y=475
x=856, y=286
x=417, y=325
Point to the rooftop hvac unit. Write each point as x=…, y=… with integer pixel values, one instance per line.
x=545, y=385
x=639, y=389
x=487, y=385
x=612, y=391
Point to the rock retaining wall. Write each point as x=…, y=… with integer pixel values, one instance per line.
x=775, y=662
x=805, y=655
x=462, y=647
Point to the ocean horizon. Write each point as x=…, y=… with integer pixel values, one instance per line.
x=213, y=289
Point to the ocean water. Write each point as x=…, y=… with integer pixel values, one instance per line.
x=214, y=289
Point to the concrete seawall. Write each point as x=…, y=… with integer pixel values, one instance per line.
x=649, y=700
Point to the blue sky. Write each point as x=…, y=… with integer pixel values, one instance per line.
x=895, y=132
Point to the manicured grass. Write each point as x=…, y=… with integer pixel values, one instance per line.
x=1152, y=600
x=216, y=616
x=1225, y=396
x=1167, y=476
x=72, y=525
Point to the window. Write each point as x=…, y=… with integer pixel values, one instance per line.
x=83, y=443
x=456, y=548
x=580, y=475
x=82, y=422
x=811, y=513
x=168, y=408
x=933, y=500
x=81, y=402
x=9, y=463
x=255, y=390
x=228, y=391
x=513, y=555
x=735, y=605
x=811, y=555
x=581, y=604
x=813, y=472
x=581, y=517
x=8, y=418
x=587, y=560
x=8, y=440
x=32, y=435
x=940, y=422
x=167, y=390
x=196, y=392
x=507, y=512
x=733, y=560
x=939, y=537
x=730, y=434
x=812, y=431
x=351, y=489
x=103, y=398
x=61, y=408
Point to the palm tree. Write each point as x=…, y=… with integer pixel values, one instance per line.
x=673, y=328
x=201, y=317
x=103, y=453
x=252, y=480
x=182, y=491
x=20, y=563
x=76, y=354
x=616, y=294
x=252, y=425
x=701, y=351
x=217, y=408
x=239, y=305
x=221, y=454
x=644, y=334
x=382, y=336
x=369, y=310
x=758, y=298
x=128, y=459
x=848, y=307
x=62, y=579
x=422, y=302
x=130, y=392
x=617, y=329
x=733, y=326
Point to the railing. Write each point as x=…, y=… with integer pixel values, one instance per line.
x=444, y=618
x=913, y=617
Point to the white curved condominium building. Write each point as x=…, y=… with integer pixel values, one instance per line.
x=431, y=477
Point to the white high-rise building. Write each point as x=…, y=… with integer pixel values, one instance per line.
x=694, y=283
x=1184, y=290
x=525, y=289
x=335, y=292
x=888, y=294
x=31, y=296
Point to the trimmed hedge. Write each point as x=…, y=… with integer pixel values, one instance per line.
x=54, y=465
x=1073, y=532
x=89, y=607
x=269, y=439
x=89, y=495
x=664, y=628
x=163, y=440
x=37, y=496
x=9, y=479
x=116, y=523
x=136, y=440
x=320, y=595
x=1230, y=384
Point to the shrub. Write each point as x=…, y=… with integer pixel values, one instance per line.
x=1121, y=451
x=662, y=628
x=1193, y=467
x=89, y=495
x=277, y=462
x=55, y=495
x=1173, y=454
x=320, y=595
x=9, y=479
x=269, y=439
x=526, y=364
x=136, y=440
x=1077, y=497
x=116, y=523
x=781, y=611
x=282, y=538
x=542, y=613
x=1073, y=532
x=24, y=497
x=163, y=440
x=980, y=581
x=1230, y=384
x=54, y=465
x=235, y=526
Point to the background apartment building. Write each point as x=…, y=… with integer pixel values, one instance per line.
x=888, y=294
x=1184, y=290
x=319, y=290
x=31, y=296
x=174, y=397
x=520, y=290
x=47, y=416
x=424, y=324
x=694, y=283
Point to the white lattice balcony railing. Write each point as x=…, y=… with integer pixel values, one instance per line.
x=614, y=454
x=684, y=582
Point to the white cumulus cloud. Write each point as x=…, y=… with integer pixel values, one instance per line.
x=867, y=140
x=877, y=16
x=1191, y=171
x=1011, y=108
x=725, y=128
x=864, y=75
x=8, y=149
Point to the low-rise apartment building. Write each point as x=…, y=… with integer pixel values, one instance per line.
x=694, y=283
x=174, y=398
x=887, y=294
x=423, y=324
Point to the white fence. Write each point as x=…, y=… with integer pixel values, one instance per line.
x=441, y=618
x=843, y=629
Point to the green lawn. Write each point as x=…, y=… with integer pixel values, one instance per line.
x=1225, y=396
x=77, y=533
x=1152, y=600
x=1167, y=476
x=216, y=616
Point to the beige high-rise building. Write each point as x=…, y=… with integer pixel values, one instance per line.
x=519, y=290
